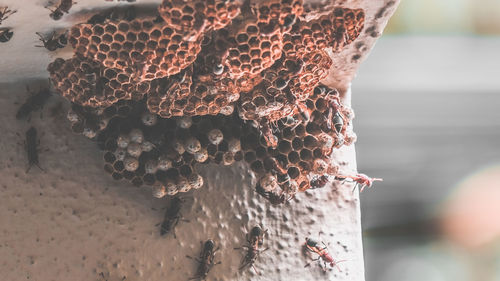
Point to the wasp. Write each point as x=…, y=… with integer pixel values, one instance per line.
x=31, y=144
x=105, y=277
x=291, y=121
x=361, y=180
x=62, y=8
x=255, y=240
x=319, y=181
x=5, y=12
x=267, y=133
x=5, y=34
x=206, y=260
x=54, y=42
x=273, y=197
x=33, y=103
x=313, y=246
x=172, y=216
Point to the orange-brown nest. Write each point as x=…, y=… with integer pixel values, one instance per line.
x=254, y=68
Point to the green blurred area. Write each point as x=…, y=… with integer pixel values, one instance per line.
x=446, y=16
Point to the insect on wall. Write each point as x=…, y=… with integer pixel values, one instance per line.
x=211, y=82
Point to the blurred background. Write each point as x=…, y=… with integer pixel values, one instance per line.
x=427, y=104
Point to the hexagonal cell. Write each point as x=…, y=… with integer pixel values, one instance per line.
x=293, y=172
x=257, y=166
x=243, y=36
x=284, y=147
x=80, y=81
x=306, y=155
x=143, y=48
x=294, y=157
x=197, y=15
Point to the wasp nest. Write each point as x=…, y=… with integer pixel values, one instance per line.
x=214, y=81
x=300, y=158
x=142, y=147
x=87, y=83
x=144, y=48
x=198, y=15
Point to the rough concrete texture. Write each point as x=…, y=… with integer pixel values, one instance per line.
x=73, y=221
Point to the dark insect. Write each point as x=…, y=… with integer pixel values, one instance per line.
x=172, y=216
x=338, y=122
x=335, y=120
x=319, y=181
x=33, y=103
x=5, y=12
x=267, y=132
x=54, y=42
x=5, y=35
x=62, y=8
x=31, y=145
x=305, y=113
x=272, y=197
x=255, y=240
x=285, y=194
x=105, y=277
x=313, y=246
x=206, y=260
